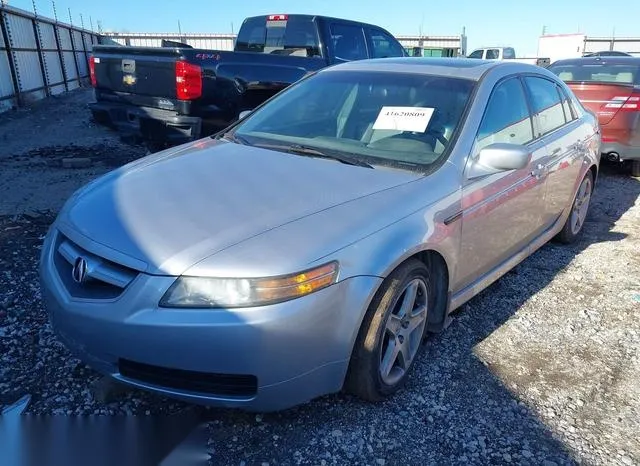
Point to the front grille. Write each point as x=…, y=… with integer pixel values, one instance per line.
x=105, y=279
x=244, y=386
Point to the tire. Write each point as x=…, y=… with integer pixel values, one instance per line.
x=635, y=168
x=376, y=339
x=575, y=222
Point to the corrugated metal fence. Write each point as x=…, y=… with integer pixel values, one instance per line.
x=40, y=57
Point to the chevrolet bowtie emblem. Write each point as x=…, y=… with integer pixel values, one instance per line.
x=129, y=79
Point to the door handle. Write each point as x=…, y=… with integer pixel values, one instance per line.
x=556, y=151
x=538, y=171
x=579, y=146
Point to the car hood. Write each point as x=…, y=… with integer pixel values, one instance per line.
x=175, y=208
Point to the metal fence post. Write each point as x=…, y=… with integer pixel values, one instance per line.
x=63, y=69
x=75, y=56
x=43, y=66
x=84, y=48
x=6, y=35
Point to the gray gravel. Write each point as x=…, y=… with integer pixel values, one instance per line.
x=541, y=368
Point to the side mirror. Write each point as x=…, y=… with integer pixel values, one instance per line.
x=499, y=157
x=243, y=114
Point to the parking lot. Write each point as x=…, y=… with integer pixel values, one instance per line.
x=541, y=368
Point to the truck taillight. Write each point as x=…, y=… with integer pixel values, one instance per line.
x=92, y=71
x=188, y=81
x=624, y=103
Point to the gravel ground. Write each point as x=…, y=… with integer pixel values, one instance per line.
x=541, y=368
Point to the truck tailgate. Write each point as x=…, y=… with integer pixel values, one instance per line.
x=141, y=71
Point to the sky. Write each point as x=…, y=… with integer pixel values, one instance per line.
x=487, y=23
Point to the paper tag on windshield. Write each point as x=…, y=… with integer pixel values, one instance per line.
x=404, y=118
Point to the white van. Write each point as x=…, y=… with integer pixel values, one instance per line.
x=493, y=53
x=506, y=53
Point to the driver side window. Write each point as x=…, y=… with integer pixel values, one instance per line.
x=506, y=118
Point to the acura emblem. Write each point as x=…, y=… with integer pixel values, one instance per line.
x=79, y=272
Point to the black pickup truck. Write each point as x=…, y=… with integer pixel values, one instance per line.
x=170, y=95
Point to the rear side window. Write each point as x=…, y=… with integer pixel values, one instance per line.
x=569, y=112
x=509, y=53
x=384, y=45
x=348, y=42
x=493, y=54
x=546, y=105
x=291, y=36
x=598, y=73
x=506, y=119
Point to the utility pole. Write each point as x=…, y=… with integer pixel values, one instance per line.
x=613, y=38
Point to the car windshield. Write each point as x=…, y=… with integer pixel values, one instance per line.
x=379, y=118
x=608, y=73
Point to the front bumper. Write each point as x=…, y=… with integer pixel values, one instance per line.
x=149, y=124
x=259, y=359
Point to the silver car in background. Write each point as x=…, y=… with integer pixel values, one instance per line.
x=311, y=247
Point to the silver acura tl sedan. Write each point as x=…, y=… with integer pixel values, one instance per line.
x=311, y=246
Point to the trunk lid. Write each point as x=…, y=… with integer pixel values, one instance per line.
x=604, y=86
x=604, y=99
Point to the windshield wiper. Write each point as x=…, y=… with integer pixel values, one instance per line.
x=310, y=151
x=233, y=137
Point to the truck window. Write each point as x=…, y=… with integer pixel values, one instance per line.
x=508, y=53
x=476, y=54
x=493, y=54
x=384, y=45
x=279, y=34
x=348, y=42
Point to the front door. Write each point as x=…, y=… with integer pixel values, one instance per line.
x=502, y=212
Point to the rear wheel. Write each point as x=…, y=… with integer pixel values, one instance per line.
x=635, y=167
x=579, y=210
x=391, y=333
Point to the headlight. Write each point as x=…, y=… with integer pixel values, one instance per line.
x=204, y=292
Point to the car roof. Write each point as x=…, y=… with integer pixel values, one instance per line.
x=466, y=68
x=600, y=60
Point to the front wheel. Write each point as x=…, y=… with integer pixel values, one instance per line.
x=579, y=210
x=391, y=333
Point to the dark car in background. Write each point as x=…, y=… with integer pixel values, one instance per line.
x=166, y=96
x=609, y=87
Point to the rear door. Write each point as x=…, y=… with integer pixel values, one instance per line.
x=383, y=45
x=565, y=139
x=347, y=42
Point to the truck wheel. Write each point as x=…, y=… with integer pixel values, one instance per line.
x=391, y=333
x=579, y=210
x=635, y=168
